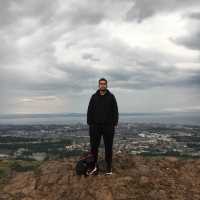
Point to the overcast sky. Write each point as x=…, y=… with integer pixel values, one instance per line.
x=52, y=54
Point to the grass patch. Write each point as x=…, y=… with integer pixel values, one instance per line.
x=4, y=173
x=23, y=166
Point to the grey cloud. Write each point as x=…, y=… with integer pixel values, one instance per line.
x=191, y=41
x=133, y=68
x=92, y=12
x=12, y=11
x=120, y=75
x=140, y=81
x=143, y=66
x=83, y=15
x=8, y=51
x=194, y=15
x=136, y=80
x=76, y=79
x=88, y=56
x=193, y=80
x=12, y=16
x=48, y=20
x=143, y=9
x=78, y=28
x=136, y=68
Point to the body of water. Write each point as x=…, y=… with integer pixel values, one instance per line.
x=73, y=118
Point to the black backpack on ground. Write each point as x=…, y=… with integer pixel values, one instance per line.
x=86, y=164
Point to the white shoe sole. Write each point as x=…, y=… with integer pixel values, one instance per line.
x=108, y=173
x=94, y=170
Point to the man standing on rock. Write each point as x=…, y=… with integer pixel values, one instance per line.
x=102, y=118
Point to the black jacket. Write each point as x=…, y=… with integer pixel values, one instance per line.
x=102, y=109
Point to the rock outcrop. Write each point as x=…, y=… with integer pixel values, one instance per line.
x=134, y=177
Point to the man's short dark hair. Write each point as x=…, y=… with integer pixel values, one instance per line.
x=102, y=79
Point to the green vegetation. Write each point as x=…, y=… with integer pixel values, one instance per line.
x=35, y=146
x=22, y=166
x=12, y=139
x=32, y=149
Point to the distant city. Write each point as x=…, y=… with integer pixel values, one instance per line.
x=52, y=141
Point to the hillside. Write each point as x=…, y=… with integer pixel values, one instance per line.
x=134, y=177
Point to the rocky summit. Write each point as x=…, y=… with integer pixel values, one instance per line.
x=135, y=177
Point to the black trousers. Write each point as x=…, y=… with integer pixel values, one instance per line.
x=95, y=132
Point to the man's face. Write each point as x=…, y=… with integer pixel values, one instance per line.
x=102, y=85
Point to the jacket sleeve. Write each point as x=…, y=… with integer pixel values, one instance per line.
x=115, y=111
x=90, y=111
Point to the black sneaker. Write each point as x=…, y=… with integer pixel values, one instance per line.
x=108, y=172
